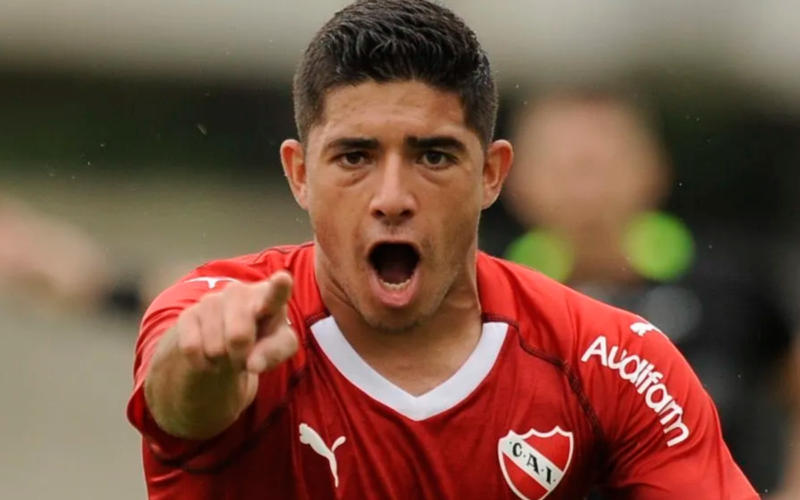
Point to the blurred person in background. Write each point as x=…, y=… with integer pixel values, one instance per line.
x=46, y=256
x=584, y=205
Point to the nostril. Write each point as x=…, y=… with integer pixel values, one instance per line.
x=403, y=214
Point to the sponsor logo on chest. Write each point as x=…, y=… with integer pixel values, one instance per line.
x=648, y=382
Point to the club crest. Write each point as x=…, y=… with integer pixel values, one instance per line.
x=535, y=462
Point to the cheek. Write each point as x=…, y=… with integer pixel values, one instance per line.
x=326, y=225
x=463, y=205
x=459, y=226
x=333, y=227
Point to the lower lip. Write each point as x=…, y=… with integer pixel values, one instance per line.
x=395, y=298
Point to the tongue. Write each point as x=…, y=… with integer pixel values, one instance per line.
x=394, y=272
x=395, y=264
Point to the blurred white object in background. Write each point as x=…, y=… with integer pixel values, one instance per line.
x=755, y=44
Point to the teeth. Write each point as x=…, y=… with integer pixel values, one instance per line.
x=396, y=286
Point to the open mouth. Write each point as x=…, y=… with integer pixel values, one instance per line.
x=394, y=264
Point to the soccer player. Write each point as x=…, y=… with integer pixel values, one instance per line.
x=389, y=359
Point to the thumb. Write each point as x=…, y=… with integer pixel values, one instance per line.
x=273, y=349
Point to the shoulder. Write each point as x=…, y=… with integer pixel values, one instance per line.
x=607, y=352
x=549, y=315
x=255, y=266
x=563, y=322
x=214, y=275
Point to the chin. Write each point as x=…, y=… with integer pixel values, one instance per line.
x=393, y=323
x=390, y=319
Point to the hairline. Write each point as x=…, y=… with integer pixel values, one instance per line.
x=319, y=118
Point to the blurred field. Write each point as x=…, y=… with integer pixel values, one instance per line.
x=65, y=379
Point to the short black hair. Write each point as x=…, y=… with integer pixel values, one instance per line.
x=394, y=41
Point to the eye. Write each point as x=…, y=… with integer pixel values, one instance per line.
x=353, y=159
x=436, y=159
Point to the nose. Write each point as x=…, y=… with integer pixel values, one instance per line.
x=394, y=202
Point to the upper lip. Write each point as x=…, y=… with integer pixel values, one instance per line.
x=393, y=241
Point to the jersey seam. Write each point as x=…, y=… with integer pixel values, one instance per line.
x=566, y=369
x=283, y=250
x=579, y=383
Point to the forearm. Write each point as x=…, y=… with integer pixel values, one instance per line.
x=190, y=404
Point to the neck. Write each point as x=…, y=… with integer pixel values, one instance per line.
x=425, y=355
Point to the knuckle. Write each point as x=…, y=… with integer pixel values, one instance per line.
x=189, y=343
x=215, y=350
x=240, y=332
x=282, y=348
x=273, y=359
x=187, y=322
x=204, y=308
x=234, y=289
x=237, y=298
x=292, y=342
x=210, y=309
x=240, y=339
x=209, y=301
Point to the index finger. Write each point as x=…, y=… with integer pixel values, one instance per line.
x=275, y=294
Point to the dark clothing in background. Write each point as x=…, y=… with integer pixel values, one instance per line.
x=724, y=318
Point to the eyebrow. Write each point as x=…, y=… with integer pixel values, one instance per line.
x=413, y=142
x=436, y=142
x=352, y=143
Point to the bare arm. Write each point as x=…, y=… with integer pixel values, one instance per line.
x=205, y=370
x=192, y=404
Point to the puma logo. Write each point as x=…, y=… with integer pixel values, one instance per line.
x=310, y=437
x=641, y=328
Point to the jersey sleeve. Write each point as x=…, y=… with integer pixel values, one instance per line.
x=662, y=431
x=159, y=318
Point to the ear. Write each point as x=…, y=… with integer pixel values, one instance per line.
x=294, y=167
x=497, y=165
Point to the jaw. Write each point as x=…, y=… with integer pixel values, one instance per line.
x=353, y=292
x=355, y=295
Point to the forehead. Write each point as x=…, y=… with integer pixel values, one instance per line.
x=391, y=111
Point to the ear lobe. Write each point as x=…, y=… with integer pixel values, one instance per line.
x=294, y=167
x=499, y=157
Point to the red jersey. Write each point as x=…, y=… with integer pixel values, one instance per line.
x=561, y=394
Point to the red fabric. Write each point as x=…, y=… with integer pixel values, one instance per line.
x=576, y=397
